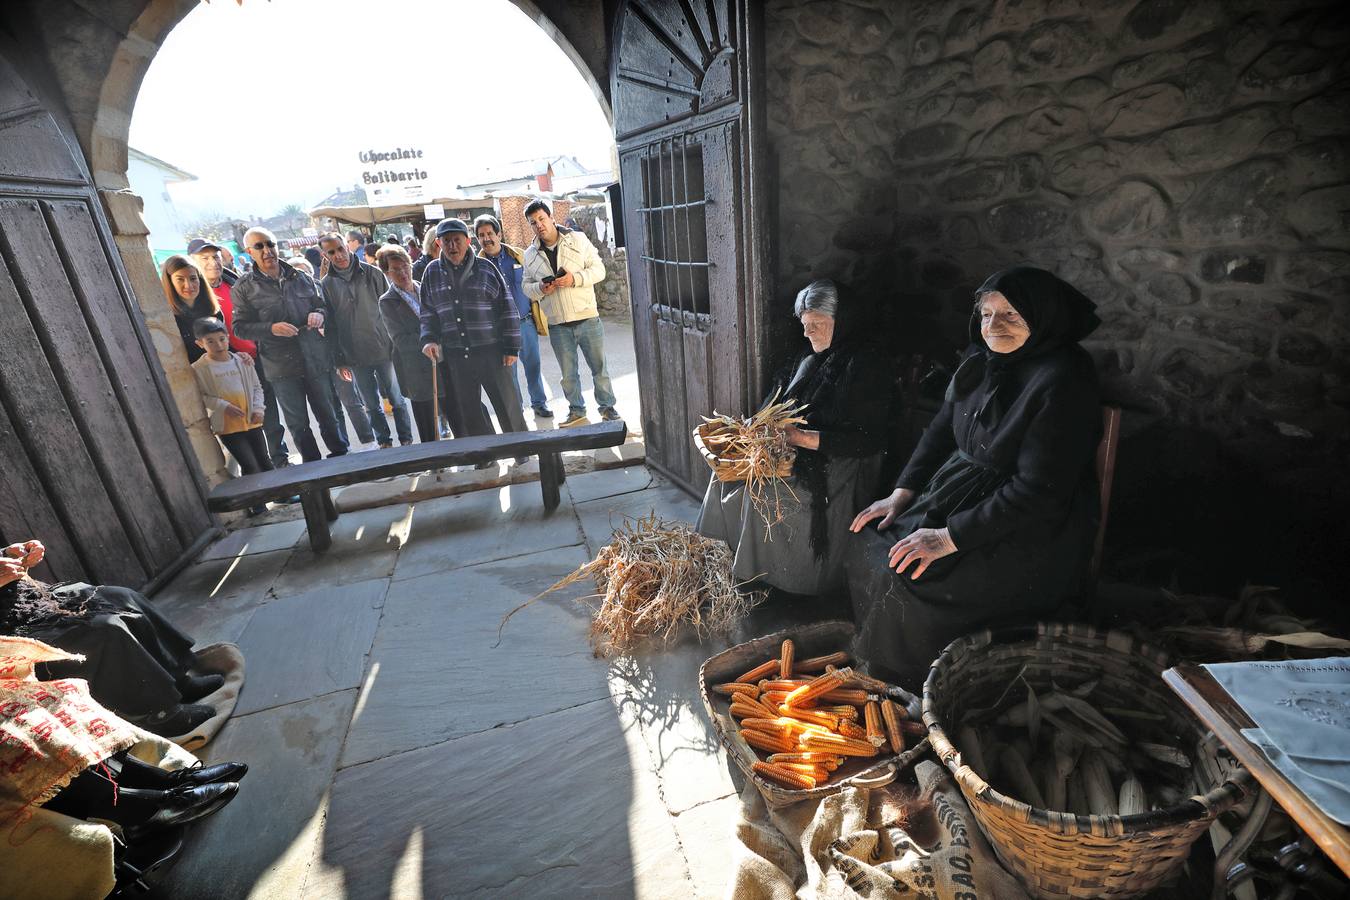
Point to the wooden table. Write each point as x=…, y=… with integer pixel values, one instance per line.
x=1220, y=713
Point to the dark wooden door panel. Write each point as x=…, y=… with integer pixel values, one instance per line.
x=78, y=366
x=26, y=513
x=674, y=413
x=115, y=324
x=70, y=477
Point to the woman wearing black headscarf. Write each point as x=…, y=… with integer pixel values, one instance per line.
x=992, y=520
x=847, y=395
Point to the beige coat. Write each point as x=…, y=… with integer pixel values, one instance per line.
x=577, y=255
x=215, y=405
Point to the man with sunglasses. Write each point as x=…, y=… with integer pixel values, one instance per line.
x=282, y=309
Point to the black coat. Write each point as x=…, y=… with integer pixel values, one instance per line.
x=1038, y=436
x=201, y=309
x=412, y=368
x=848, y=394
x=260, y=302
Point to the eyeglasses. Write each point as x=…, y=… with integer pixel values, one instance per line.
x=261, y=244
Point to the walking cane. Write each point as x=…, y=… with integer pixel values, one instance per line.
x=435, y=408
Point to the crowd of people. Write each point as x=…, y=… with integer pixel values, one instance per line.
x=353, y=328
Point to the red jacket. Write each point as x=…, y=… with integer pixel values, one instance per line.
x=237, y=344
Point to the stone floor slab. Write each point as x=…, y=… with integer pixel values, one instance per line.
x=608, y=483
x=545, y=808
x=256, y=539
x=216, y=579
x=212, y=620
x=706, y=833
x=450, y=532
x=309, y=644
x=434, y=673
x=600, y=517
x=657, y=690
x=261, y=845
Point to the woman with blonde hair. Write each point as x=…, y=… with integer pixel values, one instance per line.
x=190, y=297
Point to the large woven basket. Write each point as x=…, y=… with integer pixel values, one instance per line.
x=810, y=640
x=732, y=469
x=1057, y=854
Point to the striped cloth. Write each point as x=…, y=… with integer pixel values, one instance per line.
x=468, y=308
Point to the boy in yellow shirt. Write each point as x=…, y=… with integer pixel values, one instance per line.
x=233, y=396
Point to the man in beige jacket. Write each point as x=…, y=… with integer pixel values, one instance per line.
x=562, y=268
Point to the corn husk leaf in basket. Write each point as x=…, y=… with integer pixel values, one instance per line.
x=754, y=450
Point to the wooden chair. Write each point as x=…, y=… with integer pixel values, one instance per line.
x=1106, y=474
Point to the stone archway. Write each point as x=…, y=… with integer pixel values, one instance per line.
x=100, y=84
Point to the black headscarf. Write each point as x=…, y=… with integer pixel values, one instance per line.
x=1056, y=312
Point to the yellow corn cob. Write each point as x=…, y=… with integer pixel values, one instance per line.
x=851, y=696
x=763, y=670
x=843, y=712
x=810, y=715
x=818, y=663
x=818, y=686
x=872, y=719
x=785, y=777
x=772, y=743
x=868, y=683
x=745, y=710
x=818, y=773
x=782, y=684
x=785, y=659
x=777, y=698
x=890, y=714
x=782, y=723
x=852, y=731
x=836, y=744
x=828, y=760
x=732, y=688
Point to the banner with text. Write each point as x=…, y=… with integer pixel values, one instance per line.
x=395, y=175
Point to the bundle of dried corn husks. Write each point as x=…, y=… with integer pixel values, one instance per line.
x=755, y=450
x=655, y=577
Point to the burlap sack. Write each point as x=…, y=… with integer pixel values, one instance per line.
x=829, y=850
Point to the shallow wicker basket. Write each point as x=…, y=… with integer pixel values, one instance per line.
x=810, y=640
x=1058, y=854
x=732, y=469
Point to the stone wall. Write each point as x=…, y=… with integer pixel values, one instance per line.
x=611, y=295
x=1186, y=163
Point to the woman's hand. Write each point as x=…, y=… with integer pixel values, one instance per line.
x=889, y=507
x=28, y=553
x=11, y=570
x=807, y=440
x=922, y=547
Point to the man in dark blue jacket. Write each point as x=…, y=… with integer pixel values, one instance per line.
x=471, y=326
x=510, y=262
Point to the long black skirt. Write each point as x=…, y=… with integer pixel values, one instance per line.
x=904, y=623
x=132, y=653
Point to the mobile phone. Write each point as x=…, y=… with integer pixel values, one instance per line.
x=549, y=279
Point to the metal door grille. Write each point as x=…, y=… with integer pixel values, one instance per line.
x=674, y=219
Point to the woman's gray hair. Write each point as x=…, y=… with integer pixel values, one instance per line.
x=819, y=296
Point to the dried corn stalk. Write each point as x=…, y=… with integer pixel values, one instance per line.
x=759, y=444
x=654, y=578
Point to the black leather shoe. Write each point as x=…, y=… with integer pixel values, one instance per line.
x=194, y=687
x=198, y=775
x=543, y=412
x=182, y=805
x=180, y=720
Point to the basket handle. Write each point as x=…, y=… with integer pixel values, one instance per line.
x=878, y=781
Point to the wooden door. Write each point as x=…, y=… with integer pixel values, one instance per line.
x=686, y=122
x=96, y=463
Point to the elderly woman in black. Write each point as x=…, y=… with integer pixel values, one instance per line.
x=844, y=386
x=991, y=522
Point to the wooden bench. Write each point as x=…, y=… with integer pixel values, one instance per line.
x=313, y=481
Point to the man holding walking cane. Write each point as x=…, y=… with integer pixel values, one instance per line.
x=470, y=324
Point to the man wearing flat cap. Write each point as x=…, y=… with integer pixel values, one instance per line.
x=471, y=325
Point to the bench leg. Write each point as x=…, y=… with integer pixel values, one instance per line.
x=316, y=519
x=550, y=479
x=329, y=507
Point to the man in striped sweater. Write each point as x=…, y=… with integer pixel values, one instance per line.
x=471, y=325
